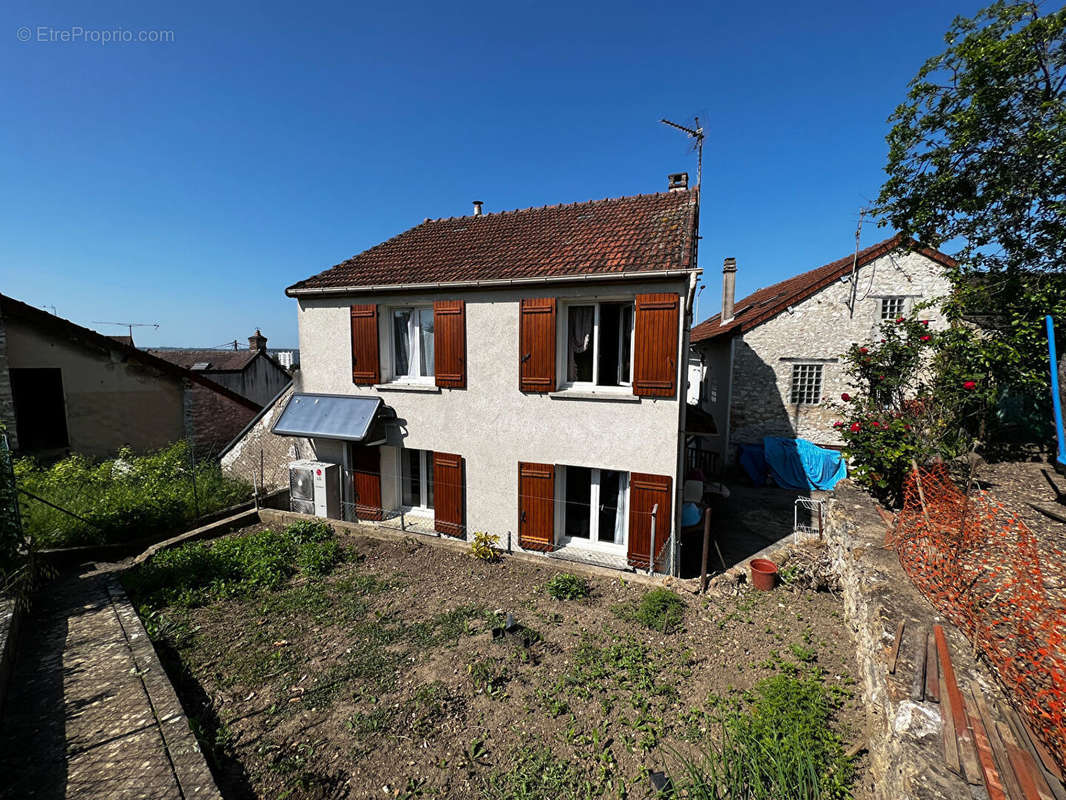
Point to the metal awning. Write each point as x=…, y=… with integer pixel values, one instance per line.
x=330, y=416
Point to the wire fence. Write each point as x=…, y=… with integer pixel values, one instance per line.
x=985, y=570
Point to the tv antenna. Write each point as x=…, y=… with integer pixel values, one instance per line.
x=696, y=134
x=129, y=325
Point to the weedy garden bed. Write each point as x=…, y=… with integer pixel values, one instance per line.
x=359, y=667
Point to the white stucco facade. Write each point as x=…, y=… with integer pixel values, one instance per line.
x=490, y=423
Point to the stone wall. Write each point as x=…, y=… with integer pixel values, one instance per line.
x=212, y=419
x=7, y=401
x=263, y=458
x=818, y=330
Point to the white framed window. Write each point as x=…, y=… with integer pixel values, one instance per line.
x=411, y=343
x=597, y=344
x=416, y=480
x=806, y=389
x=592, y=506
x=893, y=307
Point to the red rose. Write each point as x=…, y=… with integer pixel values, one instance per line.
x=926, y=338
x=925, y=322
x=882, y=341
x=899, y=319
x=969, y=385
x=855, y=427
x=876, y=424
x=845, y=397
x=838, y=424
x=880, y=377
x=864, y=351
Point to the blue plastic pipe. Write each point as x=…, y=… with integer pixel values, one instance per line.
x=1056, y=403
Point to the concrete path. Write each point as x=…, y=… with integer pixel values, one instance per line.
x=89, y=711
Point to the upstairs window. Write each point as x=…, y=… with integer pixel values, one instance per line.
x=412, y=343
x=893, y=307
x=599, y=344
x=806, y=384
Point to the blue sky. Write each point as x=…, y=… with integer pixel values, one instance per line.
x=186, y=183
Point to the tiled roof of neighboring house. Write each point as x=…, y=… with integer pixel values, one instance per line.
x=648, y=233
x=216, y=360
x=763, y=304
x=126, y=340
x=16, y=309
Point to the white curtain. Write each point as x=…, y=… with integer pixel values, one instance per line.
x=426, y=340
x=580, y=336
x=620, y=517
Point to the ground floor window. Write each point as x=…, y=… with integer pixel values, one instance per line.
x=416, y=479
x=592, y=505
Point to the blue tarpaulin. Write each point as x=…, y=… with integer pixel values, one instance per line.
x=753, y=459
x=800, y=464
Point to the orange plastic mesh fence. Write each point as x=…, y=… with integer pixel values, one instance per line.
x=985, y=570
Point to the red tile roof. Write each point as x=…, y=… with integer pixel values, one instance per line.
x=645, y=233
x=764, y=304
x=216, y=360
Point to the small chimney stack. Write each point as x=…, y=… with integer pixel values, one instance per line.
x=678, y=181
x=729, y=286
x=257, y=342
x=477, y=208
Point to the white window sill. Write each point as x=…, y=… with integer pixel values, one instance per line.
x=407, y=386
x=588, y=546
x=619, y=394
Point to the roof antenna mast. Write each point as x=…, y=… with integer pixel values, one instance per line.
x=695, y=134
x=855, y=265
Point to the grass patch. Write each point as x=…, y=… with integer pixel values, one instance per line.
x=124, y=498
x=537, y=773
x=658, y=610
x=777, y=744
x=565, y=586
x=199, y=572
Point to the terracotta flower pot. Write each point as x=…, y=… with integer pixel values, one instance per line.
x=763, y=574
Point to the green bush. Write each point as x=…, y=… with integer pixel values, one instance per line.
x=200, y=572
x=659, y=610
x=781, y=746
x=121, y=499
x=565, y=586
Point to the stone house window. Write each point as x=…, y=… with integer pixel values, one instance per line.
x=806, y=384
x=893, y=307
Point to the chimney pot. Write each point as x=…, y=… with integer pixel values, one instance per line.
x=729, y=285
x=257, y=342
x=678, y=181
x=477, y=208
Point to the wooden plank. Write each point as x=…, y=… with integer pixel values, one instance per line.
x=948, y=671
x=1006, y=772
x=951, y=743
x=1025, y=767
x=932, y=671
x=1021, y=733
x=893, y=654
x=993, y=780
x=921, y=653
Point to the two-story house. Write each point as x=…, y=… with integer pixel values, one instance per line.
x=771, y=362
x=520, y=373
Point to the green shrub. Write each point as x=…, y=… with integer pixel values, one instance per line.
x=659, y=610
x=565, y=586
x=120, y=499
x=484, y=546
x=199, y=572
x=781, y=746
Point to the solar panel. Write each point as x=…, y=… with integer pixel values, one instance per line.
x=328, y=416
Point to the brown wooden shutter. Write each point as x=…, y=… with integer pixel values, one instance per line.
x=448, y=494
x=655, y=348
x=366, y=482
x=449, y=344
x=366, y=367
x=645, y=491
x=536, y=345
x=536, y=506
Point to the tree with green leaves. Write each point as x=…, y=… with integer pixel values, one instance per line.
x=977, y=156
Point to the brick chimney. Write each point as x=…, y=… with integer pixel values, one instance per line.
x=729, y=286
x=678, y=181
x=257, y=342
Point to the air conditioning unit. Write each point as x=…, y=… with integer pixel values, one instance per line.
x=315, y=488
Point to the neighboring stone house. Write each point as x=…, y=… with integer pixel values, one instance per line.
x=771, y=361
x=252, y=373
x=66, y=388
x=521, y=373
